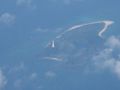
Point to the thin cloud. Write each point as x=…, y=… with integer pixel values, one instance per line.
x=17, y=68
x=67, y=2
x=109, y=58
x=33, y=76
x=3, y=80
x=113, y=42
x=26, y=3
x=50, y=74
x=42, y=30
x=7, y=18
x=54, y=58
x=18, y=83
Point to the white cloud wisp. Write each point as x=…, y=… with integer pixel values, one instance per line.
x=7, y=18
x=109, y=58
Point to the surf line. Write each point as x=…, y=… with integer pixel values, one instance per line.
x=106, y=23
